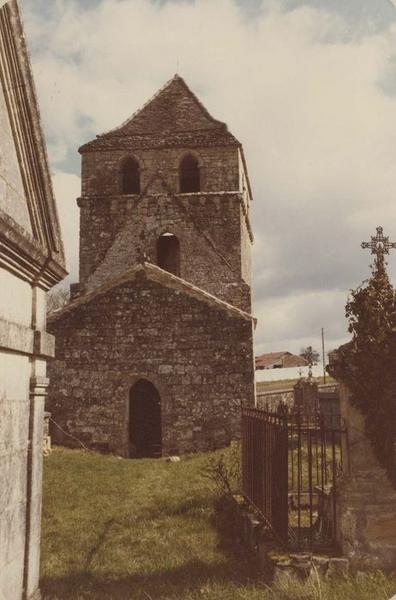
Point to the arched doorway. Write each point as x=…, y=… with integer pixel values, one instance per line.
x=145, y=434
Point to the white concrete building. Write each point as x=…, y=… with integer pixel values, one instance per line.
x=31, y=262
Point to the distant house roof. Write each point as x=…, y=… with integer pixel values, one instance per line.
x=279, y=360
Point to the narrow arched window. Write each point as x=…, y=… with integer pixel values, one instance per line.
x=130, y=177
x=189, y=175
x=168, y=253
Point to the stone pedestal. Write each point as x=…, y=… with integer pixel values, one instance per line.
x=366, y=504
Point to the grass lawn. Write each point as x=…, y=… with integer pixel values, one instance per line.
x=149, y=530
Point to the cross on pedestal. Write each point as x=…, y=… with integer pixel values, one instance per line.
x=379, y=245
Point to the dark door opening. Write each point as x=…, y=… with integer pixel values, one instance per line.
x=145, y=434
x=130, y=178
x=168, y=253
x=189, y=175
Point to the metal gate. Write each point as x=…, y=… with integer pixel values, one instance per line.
x=264, y=466
x=291, y=465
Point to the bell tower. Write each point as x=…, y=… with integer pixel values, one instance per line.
x=154, y=353
x=168, y=187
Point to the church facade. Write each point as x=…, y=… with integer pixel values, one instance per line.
x=154, y=353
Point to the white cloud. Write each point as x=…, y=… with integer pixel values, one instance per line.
x=300, y=89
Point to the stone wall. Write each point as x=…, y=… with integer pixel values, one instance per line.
x=272, y=399
x=115, y=230
x=366, y=503
x=101, y=171
x=196, y=351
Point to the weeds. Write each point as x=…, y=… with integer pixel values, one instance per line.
x=223, y=470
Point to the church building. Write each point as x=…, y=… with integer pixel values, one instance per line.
x=154, y=352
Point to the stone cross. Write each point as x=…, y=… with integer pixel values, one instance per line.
x=379, y=245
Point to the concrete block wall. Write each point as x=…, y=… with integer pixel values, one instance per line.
x=12, y=194
x=22, y=390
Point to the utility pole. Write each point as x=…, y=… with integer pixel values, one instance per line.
x=323, y=357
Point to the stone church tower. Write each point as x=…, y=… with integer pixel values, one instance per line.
x=154, y=353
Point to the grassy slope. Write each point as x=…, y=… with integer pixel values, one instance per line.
x=141, y=530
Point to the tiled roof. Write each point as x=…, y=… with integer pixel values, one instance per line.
x=174, y=116
x=266, y=360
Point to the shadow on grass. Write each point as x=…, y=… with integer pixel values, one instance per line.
x=238, y=567
x=175, y=583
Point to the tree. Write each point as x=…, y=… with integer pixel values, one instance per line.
x=367, y=363
x=310, y=355
x=57, y=298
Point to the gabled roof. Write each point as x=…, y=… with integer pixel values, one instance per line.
x=153, y=273
x=30, y=246
x=266, y=360
x=174, y=116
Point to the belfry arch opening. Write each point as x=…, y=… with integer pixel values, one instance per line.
x=168, y=253
x=190, y=180
x=145, y=428
x=130, y=176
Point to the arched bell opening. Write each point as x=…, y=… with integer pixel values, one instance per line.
x=168, y=253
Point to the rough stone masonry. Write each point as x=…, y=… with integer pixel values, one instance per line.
x=154, y=353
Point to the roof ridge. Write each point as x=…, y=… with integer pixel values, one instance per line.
x=139, y=110
x=129, y=274
x=160, y=91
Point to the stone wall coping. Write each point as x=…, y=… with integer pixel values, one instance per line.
x=154, y=273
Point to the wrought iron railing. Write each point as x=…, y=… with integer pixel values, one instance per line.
x=291, y=466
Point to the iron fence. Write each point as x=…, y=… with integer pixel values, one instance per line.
x=291, y=466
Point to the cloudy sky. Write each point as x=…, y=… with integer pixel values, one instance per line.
x=308, y=86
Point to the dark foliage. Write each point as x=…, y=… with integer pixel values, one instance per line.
x=311, y=355
x=368, y=363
